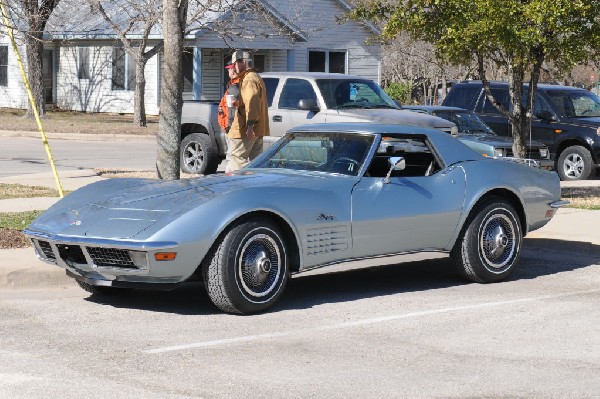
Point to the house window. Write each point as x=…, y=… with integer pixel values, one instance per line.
x=188, y=69
x=123, y=70
x=83, y=62
x=259, y=62
x=3, y=65
x=327, y=61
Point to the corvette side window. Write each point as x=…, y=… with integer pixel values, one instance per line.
x=418, y=158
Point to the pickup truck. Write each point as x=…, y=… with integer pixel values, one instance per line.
x=296, y=98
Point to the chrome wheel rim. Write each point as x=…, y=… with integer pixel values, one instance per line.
x=193, y=156
x=573, y=166
x=260, y=266
x=498, y=241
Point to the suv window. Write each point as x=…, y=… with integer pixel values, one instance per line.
x=294, y=91
x=575, y=103
x=500, y=95
x=464, y=97
x=271, y=85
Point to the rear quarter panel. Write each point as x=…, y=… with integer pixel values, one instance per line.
x=535, y=188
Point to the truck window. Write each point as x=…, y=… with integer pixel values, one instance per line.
x=271, y=85
x=294, y=91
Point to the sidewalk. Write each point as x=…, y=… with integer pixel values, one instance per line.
x=19, y=268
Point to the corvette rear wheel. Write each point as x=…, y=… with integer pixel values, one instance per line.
x=248, y=271
x=489, y=245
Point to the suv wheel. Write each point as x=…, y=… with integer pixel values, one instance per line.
x=575, y=163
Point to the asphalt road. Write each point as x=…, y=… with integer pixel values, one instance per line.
x=24, y=155
x=410, y=330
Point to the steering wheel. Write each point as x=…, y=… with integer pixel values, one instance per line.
x=345, y=164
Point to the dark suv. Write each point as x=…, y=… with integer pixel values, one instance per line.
x=566, y=119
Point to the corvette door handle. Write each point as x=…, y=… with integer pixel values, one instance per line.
x=277, y=118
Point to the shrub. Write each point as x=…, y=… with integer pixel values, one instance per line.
x=399, y=91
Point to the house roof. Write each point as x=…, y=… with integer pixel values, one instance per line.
x=73, y=19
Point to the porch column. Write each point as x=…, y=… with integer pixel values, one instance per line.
x=197, y=73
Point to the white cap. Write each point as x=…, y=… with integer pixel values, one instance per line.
x=240, y=55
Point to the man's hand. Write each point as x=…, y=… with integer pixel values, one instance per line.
x=250, y=132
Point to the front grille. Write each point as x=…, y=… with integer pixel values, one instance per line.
x=46, y=249
x=111, y=257
x=529, y=153
x=71, y=254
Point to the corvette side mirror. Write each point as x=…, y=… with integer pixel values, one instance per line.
x=396, y=163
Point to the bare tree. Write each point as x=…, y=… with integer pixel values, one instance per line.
x=415, y=62
x=133, y=22
x=36, y=13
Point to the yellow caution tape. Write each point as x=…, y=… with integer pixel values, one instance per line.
x=31, y=99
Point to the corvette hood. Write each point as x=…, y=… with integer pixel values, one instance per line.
x=124, y=209
x=394, y=116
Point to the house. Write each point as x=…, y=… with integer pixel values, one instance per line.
x=87, y=69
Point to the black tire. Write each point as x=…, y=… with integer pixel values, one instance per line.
x=490, y=242
x=575, y=163
x=248, y=270
x=101, y=290
x=198, y=155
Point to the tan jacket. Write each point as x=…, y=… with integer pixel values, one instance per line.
x=252, y=107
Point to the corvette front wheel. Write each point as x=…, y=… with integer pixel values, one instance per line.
x=248, y=270
x=489, y=245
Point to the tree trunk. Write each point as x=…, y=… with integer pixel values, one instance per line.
x=171, y=96
x=139, y=105
x=34, y=50
x=517, y=115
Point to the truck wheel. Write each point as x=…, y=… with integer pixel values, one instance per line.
x=575, y=163
x=198, y=155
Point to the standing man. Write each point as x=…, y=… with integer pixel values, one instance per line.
x=227, y=112
x=251, y=121
x=226, y=109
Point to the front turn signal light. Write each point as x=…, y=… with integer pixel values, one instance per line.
x=165, y=256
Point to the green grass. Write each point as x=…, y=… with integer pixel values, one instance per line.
x=17, y=220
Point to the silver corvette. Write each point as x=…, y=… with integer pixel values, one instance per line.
x=323, y=194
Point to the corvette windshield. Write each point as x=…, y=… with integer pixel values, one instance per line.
x=354, y=93
x=466, y=122
x=322, y=152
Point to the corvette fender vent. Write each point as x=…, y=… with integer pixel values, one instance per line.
x=326, y=239
x=111, y=257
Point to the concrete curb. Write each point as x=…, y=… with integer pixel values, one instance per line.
x=78, y=136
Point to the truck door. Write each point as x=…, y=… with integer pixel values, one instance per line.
x=287, y=113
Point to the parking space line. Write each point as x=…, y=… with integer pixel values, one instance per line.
x=358, y=323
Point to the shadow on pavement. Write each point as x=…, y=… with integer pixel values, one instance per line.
x=540, y=257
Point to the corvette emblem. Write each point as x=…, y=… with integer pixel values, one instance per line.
x=325, y=217
x=75, y=222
